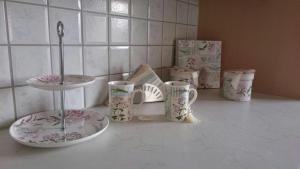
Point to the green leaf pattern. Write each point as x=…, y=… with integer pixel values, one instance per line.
x=121, y=108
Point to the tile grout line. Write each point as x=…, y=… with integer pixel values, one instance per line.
x=85, y=45
x=187, y=22
x=176, y=25
x=162, y=35
x=10, y=61
x=108, y=38
x=51, y=52
x=147, y=43
x=147, y=40
x=61, y=7
x=82, y=51
x=129, y=35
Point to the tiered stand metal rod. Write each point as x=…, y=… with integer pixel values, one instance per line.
x=60, y=33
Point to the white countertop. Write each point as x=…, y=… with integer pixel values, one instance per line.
x=261, y=134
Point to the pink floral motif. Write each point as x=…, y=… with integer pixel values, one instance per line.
x=49, y=78
x=56, y=137
x=53, y=137
x=76, y=115
x=40, y=128
x=73, y=136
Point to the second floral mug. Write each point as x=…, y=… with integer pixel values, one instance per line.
x=121, y=96
x=177, y=100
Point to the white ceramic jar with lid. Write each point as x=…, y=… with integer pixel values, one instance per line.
x=237, y=84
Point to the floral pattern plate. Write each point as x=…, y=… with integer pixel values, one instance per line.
x=43, y=129
x=70, y=82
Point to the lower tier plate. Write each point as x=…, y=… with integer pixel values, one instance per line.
x=44, y=129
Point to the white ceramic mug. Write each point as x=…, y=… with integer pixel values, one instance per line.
x=177, y=100
x=121, y=95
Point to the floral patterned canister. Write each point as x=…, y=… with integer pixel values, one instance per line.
x=203, y=56
x=186, y=75
x=237, y=84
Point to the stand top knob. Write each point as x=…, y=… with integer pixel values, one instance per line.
x=60, y=29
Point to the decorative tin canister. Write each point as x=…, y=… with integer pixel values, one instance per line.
x=237, y=84
x=203, y=56
x=184, y=74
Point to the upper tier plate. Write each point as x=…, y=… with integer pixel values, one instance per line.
x=44, y=129
x=70, y=82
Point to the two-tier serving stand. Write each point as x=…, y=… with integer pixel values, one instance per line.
x=63, y=127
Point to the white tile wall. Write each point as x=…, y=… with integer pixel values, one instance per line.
x=196, y=2
x=43, y=2
x=73, y=60
x=138, y=56
x=193, y=15
x=182, y=12
x=95, y=28
x=29, y=100
x=30, y=61
x=139, y=8
x=95, y=5
x=154, y=33
x=181, y=31
x=138, y=32
x=5, y=79
x=74, y=99
x=7, y=114
x=95, y=60
x=167, y=56
x=169, y=32
x=156, y=9
x=3, y=38
x=103, y=38
x=119, y=30
x=119, y=59
x=192, y=32
x=154, y=56
x=170, y=10
x=28, y=24
x=73, y=4
x=72, y=25
x=119, y=7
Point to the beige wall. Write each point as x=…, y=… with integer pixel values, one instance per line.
x=260, y=34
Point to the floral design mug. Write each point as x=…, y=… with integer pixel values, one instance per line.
x=121, y=96
x=177, y=100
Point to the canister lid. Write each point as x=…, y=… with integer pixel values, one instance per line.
x=240, y=71
x=239, y=74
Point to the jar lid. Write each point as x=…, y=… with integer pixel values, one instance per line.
x=241, y=71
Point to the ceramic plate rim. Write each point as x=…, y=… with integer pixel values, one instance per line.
x=45, y=86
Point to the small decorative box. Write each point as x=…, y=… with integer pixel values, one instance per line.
x=184, y=74
x=204, y=56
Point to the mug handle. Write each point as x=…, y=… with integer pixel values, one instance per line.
x=195, y=94
x=135, y=92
